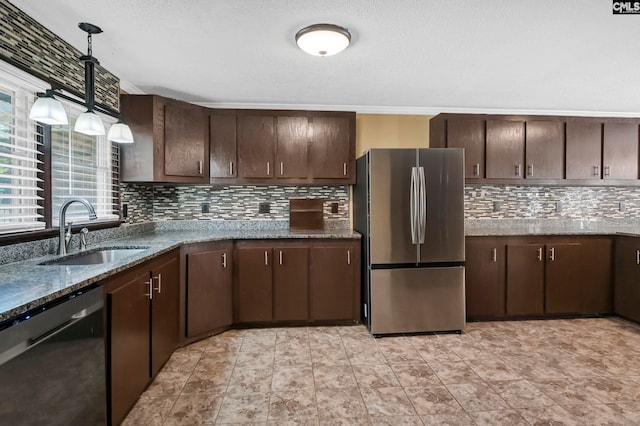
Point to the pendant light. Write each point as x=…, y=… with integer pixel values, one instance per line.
x=46, y=109
x=323, y=39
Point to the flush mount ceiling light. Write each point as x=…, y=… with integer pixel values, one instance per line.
x=46, y=109
x=323, y=39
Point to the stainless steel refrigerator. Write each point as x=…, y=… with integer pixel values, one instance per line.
x=409, y=208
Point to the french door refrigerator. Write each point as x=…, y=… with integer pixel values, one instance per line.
x=409, y=208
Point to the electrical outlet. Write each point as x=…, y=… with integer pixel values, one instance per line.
x=497, y=206
x=205, y=207
x=264, y=208
x=334, y=207
x=558, y=207
x=622, y=206
x=125, y=211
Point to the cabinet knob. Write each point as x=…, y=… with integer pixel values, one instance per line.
x=224, y=260
x=159, y=278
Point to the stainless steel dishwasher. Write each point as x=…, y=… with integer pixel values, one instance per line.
x=52, y=364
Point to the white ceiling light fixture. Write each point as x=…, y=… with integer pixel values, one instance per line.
x=50, y=111
x=323, y=39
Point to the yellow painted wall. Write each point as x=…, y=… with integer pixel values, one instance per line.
x=391, y=131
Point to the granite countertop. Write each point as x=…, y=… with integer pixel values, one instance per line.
x=27, y=284
x=516, y=227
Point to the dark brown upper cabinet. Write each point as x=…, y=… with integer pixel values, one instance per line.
x=505, y=149
x=544, y=150
x=223, y=144
x=468, y=134
x=584, y=149
x=332, y=150
x=292, y=147
x=620, y=151
x=256, y=145
x=171, y=143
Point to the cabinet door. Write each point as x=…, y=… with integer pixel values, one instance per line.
x=584, y=149
x=128, y=322
x=164, y=312
x=627, y=277
x=505, y=149
x=525, y=279
x=597, y=275
x=484, y=277
x=256, y=146
x=209, y=294
x=563, y=292
x=545, y=150
x=292, y=147
x=620, y=151
x=223, y=147
x=254, y=284
x=330, y=148
x=468, y=134
x=290, y=284
x=186, y=151
x=332, y=286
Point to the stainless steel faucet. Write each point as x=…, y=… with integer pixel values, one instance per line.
x=65, y=234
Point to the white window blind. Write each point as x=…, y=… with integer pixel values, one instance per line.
x=81, y=166
x=21, y=160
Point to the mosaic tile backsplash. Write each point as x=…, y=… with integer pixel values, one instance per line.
x=233, y=202
x=543, y=202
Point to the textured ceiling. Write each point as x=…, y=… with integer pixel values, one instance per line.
x=407, y=56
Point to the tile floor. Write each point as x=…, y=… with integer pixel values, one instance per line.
x=570, y=372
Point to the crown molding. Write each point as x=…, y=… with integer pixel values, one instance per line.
x=130, y=88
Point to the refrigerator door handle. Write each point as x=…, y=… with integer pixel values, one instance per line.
x=422, y=226
x=413, y=205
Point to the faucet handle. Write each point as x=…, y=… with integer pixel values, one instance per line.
x=83, y=238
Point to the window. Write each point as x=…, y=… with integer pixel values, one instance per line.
x=21, y=159
x=81, y=166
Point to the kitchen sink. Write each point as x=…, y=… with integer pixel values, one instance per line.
x=96, y=256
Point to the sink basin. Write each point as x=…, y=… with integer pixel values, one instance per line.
x=96, y=256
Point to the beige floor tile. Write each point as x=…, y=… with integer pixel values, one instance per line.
x=206, y=383
x=182, y=362
x=498, y=418
x=432, y=400
x=244, y=408
x=292, y=405
x=599, y=414
x=492, y=369
x=329, y=356
x=389, y=401
x=476, y=396
x=375, y=375
x=396, y=420
x=344, y=421
x=567, y=392
x=199, y=409
x=293, y=357
x=454, y=372
x=630, y=410
x=250, y=380
x=521, y=394
x=255, y=359
x=453, y=419
x=437, y=353
x=150, y=411
x=415, y=374
x=549, y=415
x=343, y=402
x=167, y=383
x=289, y=378
x=333, y=376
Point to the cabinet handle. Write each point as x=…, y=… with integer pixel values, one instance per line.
x=540, y=254
x=266, y=258
x=517, y=169
x=224, y=260
x=530, y=170
x=596, y=170
x=637, y=257
x=281, y=168
x=150, y=284
x=280, y=257
x=552, y=254
x=344, y=169
x=348, y=257
x=268, y=170
x=607, y=170
x=476, y=169
x=231, y=168
x=159, y=278
x=494, y=254
x=200, y=166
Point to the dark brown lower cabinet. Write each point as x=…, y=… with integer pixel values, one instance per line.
x=290, y=283
x=142, y=316
x=209, y=280
x=525, y=279
x=485, y=277
x=254, y=283
x=333, y=273
x=563, y=287
x=596, y=272
x=627, y=277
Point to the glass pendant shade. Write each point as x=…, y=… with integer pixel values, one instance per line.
x=88, y=123
x=120, y=133
x=48, y=110
x=323, y=39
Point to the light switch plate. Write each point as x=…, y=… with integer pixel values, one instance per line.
x=622, y=206
x=497, y=206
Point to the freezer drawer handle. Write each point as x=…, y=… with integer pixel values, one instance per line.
x=413, y=204
x=540, y=254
